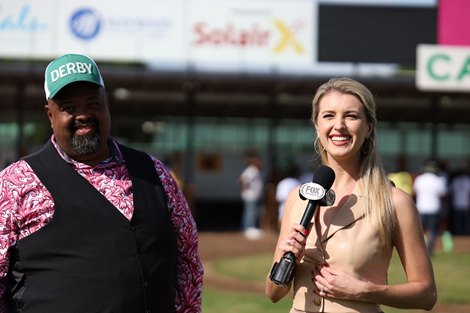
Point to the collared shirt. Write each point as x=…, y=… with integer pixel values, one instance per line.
x=26, y=206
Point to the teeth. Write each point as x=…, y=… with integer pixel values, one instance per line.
x=339, y=138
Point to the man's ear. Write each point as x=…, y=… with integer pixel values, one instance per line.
x=48, y=110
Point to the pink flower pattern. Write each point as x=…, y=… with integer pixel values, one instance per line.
x=26, y=206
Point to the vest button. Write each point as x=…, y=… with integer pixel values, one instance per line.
x=317, y=301
x=133, y=228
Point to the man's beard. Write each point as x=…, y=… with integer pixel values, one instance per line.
x=86, y=144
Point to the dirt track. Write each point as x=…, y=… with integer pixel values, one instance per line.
x=216, y=245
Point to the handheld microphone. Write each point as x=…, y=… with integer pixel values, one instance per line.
x=318, y=193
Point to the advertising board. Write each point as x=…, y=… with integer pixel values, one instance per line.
x=443, y=68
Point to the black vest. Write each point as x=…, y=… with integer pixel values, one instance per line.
x=89, y=257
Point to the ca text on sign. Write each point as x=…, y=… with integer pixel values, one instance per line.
x=443, y=68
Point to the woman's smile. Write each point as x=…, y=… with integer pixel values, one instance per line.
x=340, y=140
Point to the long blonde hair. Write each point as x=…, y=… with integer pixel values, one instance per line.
x=373, y=181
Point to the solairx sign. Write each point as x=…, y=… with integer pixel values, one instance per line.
x=443, y=68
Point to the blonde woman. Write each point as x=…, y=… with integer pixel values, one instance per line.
x=344, y=257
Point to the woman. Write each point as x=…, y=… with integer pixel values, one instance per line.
x=344, y=257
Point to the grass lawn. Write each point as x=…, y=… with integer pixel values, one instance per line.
x=452, y=271
x=218, y=301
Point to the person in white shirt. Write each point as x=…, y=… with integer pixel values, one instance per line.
x=284, y=187
x=429, y=189
x=251, y=185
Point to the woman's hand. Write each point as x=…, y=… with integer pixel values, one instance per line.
x=294, y=242
x=333, y=283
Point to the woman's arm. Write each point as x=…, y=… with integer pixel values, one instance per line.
x=420, y=289
x=292, y=237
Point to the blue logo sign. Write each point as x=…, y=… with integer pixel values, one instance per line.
x=85, y=23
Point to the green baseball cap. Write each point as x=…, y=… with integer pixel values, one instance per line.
x=68, y=69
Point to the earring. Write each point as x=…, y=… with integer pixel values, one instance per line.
x=315, y=147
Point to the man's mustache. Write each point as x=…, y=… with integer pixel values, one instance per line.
x=77, y=124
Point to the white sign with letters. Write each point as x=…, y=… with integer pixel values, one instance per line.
x=253, y=31
x=233, y=32
x=443, y=68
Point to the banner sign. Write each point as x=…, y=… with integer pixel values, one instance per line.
x=112, y=30
x=247, y=31
x=453, y=23
x=266, y=32
x=443, y=68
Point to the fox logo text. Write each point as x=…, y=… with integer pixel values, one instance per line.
x=312, y=191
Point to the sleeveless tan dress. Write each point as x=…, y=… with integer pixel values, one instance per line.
x=350, y=244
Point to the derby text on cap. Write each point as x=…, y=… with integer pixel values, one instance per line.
x=71, y=68
x=68, y=69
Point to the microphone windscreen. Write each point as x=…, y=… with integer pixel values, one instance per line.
x=324, y=176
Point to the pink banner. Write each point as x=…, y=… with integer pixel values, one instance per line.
x=453, y=22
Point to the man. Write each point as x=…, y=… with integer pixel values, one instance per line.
x=430, y=189
x=251, y=184
x=89, y=225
